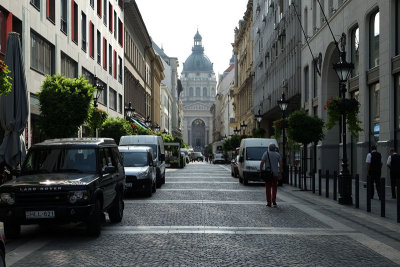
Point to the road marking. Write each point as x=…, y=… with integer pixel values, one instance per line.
x=201, y=182
x=222, y=202
x=226, y=168
x=176, y=229
x=24, y=250
x=211, y=190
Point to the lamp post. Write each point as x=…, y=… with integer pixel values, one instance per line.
x=100, y=87
x=236, y=131
x=157, y=128
x=129, y=111
x=283, y=104
x=343, y=70
x=258, y=118
x=165, y=132
x=243, y=126
x=147, y=122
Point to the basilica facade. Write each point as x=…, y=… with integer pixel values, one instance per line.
x=199, y=89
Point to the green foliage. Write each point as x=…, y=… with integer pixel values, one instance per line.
x=258, y=133
x=115, y=128
x=232, y=143
x=96, y=119
x=138, y=130
x=64, y=105
x=5, y=79
x=209, y=149
x=335, y=108
x=304, y=128
x=278, y=125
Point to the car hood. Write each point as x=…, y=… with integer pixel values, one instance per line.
x=53, y=179
x=136, y=170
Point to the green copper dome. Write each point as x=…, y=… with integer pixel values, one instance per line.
x=197, y=61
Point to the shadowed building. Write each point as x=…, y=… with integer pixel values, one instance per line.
x=199, y=83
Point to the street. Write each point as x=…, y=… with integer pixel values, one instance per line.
x=202, y=216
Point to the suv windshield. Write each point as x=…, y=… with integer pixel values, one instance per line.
x=135, y=159
x=255, y=153
x=218, y=156
x=198, y=154
x=79, y=160
x=154, y=147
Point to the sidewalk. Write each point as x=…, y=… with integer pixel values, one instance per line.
x=391, y=204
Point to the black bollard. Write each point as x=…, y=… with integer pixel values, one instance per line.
x=398, y=199
x=295, y=176
x=300, y=177
x=327, y=184
x=313, y=182
x=383, y=196
x=335, y=185
x=357, y=190
x=291, y=174
x=319, y=182
x=368, y=194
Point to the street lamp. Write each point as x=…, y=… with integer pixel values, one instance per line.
x=165, y=132
x=258, y=118
x=129, y=111
x=236, y=131
x=100, y=87
x=243, y=126
x=343, y=70
x=283, y=104
x=147, y=122
x=157, y=128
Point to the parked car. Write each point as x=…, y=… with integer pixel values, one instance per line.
x=198, y=156
x=140, y=169
x=250, y=153
x=234, y=166
x=218, y=158
x=65, y=180
x=157, y=144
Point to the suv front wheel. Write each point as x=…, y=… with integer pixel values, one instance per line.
x=116, y=212
x=93, y=224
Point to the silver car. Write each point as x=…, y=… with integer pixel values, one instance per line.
x=140, y=169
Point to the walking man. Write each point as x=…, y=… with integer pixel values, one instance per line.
x=374, y=166
x=393, y=163
x=272, y=157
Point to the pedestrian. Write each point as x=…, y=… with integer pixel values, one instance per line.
x=393, y=163
x=272, y=159
x=374, y=166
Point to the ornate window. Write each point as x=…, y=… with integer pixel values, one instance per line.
x=374, y=40
x=191, y=91
x=205, y=93
x=374, y=98
x=197, y=91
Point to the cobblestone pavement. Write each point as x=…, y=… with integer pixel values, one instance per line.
x=203, y=217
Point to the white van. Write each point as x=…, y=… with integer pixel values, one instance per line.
x=157, y=144
x=250, y=153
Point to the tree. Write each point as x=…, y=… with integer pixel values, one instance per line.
x=305, y=129
x=64, y=105
x=115, y=128
x=96, y=119
x=258, y=133
x=232, y=143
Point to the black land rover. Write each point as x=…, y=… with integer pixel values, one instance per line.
x=65, y=180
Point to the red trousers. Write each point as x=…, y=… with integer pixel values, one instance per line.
x=274, y=186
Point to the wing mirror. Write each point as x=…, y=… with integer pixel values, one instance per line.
x=109, y=169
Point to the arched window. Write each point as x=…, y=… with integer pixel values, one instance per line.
x=314, y=16
x=305, y=22
x=191, y=91
x=355, y=53
x=374, y=40
x=205, y=93
x=197, y=91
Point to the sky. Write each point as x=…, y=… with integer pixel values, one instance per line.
x=172, y=25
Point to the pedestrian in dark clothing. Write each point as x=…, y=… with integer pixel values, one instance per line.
x=272, y=159
x=393, y=163
x=374, y=166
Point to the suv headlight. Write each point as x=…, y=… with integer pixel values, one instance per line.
x=75, y=196
x=7, y=198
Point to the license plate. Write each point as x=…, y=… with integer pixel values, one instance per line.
x=129, y=185
x=40, y=214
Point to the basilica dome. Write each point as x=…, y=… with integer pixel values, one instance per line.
x=197, y=61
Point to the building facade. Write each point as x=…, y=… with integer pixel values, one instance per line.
x=71, y=37
x=198, y=83
x=277, y=61
x=243, y=93
x=373, y=45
